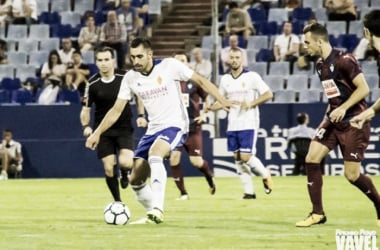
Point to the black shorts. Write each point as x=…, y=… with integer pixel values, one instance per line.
x=111, y=144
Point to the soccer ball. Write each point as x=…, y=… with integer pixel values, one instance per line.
x=116, y=213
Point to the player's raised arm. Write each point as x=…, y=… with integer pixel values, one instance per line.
x=210, y=88
x=110, y=118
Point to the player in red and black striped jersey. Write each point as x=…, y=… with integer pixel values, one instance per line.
x=102, y=91
x=346, y=88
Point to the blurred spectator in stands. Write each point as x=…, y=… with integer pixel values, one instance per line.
x=200, y=65
x=112, y=4
x=292, y=4
x=254, y=4
x=114, y=34
x=142, y=7
x=238, y=22
x=24, y=12
x=53, y=68
x=77, y=73
x=286, y=45
x=3, y=52
x=5, y=12
x=89, y=34
x=341, y=10
x=224, y=53
x=66, y=52
x=128, y=15
x=364, y=50
x=10, y=156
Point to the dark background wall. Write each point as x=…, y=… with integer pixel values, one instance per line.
x=53, y=144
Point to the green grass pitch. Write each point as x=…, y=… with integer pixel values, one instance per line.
x=39, y=214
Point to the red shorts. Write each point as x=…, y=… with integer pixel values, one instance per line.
x=193, y=144
x=352, y=141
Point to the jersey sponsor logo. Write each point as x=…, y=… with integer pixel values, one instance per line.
x=330, y=88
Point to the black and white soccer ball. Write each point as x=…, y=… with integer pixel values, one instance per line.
x=117, y=213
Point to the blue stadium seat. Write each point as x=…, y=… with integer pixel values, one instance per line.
x=297, y=27
x=309, y=96
x=257, y=42
x=61, y=30
x=81, y=6
x=17, y=58
x=207, y=42
x=372, y=80
x=60, y=6
x=301, y=14
x=88, y=56
x=369, y=67
x=297, y=82
x=336, y=28
x=284, y=96
x=17, y=32
x=313, y=4
x=21, y=96
x=257, y=15
x=43, y=6
x=258, y=67
x=4, y=96
x=72, y=18
x=315, y=83
x=356, y=28
x=278, y=15
x=375, y=95
x=320, y=14
x=6, y=70
x=50, y=18
x=39, y=31
x=28, y=45
x=309, y=71
x=267, y=28
x=23, y=72
x=2, y=32
x=279, y=68
x=348, y=41
x=275, y=83
x=264, y=55
x=67, y=95
x=49, y=44
x=10, y=83
x=93, y=69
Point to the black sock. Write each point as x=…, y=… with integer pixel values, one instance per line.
x=113, y=186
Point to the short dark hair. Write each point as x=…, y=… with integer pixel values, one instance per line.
x=317, y=29
x=301, y=118
x=372, y=22
x=105, y=49
x=141, y=41
x=233, y=5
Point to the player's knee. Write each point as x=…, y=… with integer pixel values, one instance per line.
x=174, y=159
x=126, y=162
x=196, y=161
x=351, y=176
x=245, y=158
x=108, y=171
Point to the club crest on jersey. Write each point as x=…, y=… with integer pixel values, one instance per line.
x=159, y=80
x=332, y=67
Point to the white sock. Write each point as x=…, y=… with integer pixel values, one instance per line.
x=257, y=167
x=158, y=178
x=245, y=177
x=144, y=195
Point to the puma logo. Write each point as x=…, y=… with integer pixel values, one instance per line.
x=310, y=183
x=354, y=155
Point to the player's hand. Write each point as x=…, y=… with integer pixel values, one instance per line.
x=141, y=122
x=87, y=131
x=202, y=118
x=227, y=104
x=337, y=114
x=360, y=119
x=92, y=141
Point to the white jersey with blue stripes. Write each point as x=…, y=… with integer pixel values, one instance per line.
x=160, y=92
x=247, y=87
